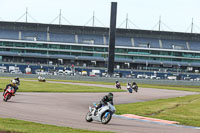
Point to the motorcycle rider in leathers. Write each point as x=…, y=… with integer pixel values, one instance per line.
x=104, y=100
x=12, y=84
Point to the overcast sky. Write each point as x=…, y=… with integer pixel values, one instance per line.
x=176, y=15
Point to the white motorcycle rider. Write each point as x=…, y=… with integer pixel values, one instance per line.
x=103, y=114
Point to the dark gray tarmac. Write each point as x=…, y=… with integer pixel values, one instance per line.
x=69, y=109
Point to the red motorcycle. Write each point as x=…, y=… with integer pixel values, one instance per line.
x=8, y=94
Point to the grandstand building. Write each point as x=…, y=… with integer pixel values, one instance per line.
x=81, y=45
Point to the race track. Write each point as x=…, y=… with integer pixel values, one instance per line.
x=69, y=109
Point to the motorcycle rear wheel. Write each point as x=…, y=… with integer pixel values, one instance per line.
x=104, y=119
x=88, y=117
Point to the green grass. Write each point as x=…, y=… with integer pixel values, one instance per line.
x=89, y=82
x=172, y=87
x=185, y=110
x=157, y=86
x=35, y=86
x=14, y=125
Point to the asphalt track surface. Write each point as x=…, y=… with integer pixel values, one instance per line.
x=69, y=109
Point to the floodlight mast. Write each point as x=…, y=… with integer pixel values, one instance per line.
x=26, y=15
x=192, y=26
x=112, y=31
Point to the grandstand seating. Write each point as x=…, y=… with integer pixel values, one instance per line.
x=146, y=42
x=194, y=45
x=55, y=37
x=8, y=34
x=123, y=41
x=33, y=36
x=90, y=39
x=99, y=40
x=174, y=44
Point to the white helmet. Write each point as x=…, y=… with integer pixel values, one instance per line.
x=14, y=81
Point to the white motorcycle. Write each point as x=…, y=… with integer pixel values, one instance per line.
x=103, y=114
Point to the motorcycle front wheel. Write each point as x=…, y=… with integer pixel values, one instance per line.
x=7, y=97
x=106, y=117
x=88, y=117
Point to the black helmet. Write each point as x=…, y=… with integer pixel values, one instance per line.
x=134, y=83
x=110, y=94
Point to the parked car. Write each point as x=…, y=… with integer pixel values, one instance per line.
x=16, y=72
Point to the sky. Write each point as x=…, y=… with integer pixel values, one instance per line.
x=176, y=15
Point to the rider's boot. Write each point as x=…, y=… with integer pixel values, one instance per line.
x=95, y=111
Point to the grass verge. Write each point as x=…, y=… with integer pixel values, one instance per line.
x=172, y=87
x=35, y=86
x=185, y=110
x=20, y=126
x=157, y=86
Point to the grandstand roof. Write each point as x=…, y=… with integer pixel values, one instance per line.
x=53, y=28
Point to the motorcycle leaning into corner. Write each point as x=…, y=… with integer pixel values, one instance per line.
x=130, y=87
x=103, y=114
x=118, y=86
x=8, y=94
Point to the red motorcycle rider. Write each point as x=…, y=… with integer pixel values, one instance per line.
x=12, y=84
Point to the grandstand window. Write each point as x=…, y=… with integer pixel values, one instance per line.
x=178, y=60
x=16, y=50
x=155, y=52
x=188, y=55
x=76, y=54
x=76, y=48
x=120, y=50
x=165, y=53
x=30, y=51
x=8, y=44
x=64, y=47
x=165, y=59
x=19, y=44
x=132, y=50
x=177, y=54
x=41, y=45
x=86, y=54
x=54, y=46
x=53, y=52
x=32, y=45
x=88, y=48
x=97, y=49
x=2, y=49
x=98, y=55
x=129, y=57
x=64, y=53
